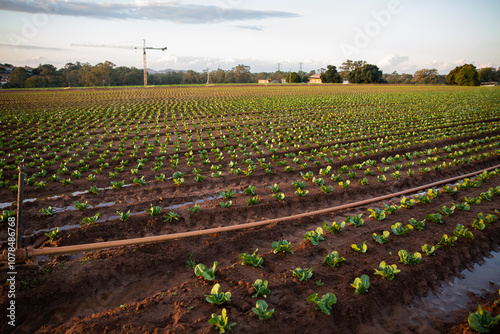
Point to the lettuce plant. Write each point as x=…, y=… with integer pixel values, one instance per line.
x=418, y=224
x=253, y=260
x=361, y=284
x=153, y=210
x=302, y=274
x=325, y=303
x=377, y=214
x=398, y=229
x=90, y=220
x=80, y=206
x=314, y=236
x=253, y=200
x=381, y=239
x=461, y=231
x=194, y=209
x=447, y=241
x=429, y=250
x=282, y=246
x=171, y=216
x=407, y=258
x=48, y=211
x=124, y=216
x=335, y=227
x=435, y=218
x=53, y=234
x=482, y=321
x=390, y=209
x=387, y=271
x=447, y=211
x=261, y=288
x=250, y=190
x=221, y=322
x=203, y=271
x=226, y=204
x=333, y=259
x=262, y=310
x=361, y=248
x=227, y=194
x=355, y=220
x=407, y=203
x=217, y=297
x=274, y=188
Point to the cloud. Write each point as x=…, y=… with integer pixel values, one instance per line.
x=31, y=47
x=393, y=60
x=143, y=10
x=257, y=28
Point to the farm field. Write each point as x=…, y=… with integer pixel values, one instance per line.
x=112, y=164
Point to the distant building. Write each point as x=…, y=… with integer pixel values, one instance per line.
x=265, y=81
x=4, y=78
x=489, y=84
x=315, y=78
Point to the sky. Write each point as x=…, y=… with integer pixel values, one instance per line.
x=396, y=35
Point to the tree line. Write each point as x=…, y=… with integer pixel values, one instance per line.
x=108, y=74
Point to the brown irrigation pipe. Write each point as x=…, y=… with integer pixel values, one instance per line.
x=26, y=253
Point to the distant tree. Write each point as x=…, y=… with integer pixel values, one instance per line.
x=278, y=75
x=350, y=65
x=489, y=74
x=191, y=77
x=17, y=77
x=426, y=76
x=52, y=76
x=36, y=81
x=102, y=72
x=70, y=74
x=465, y=75
x=217, y=76
x=241, y=74
x=293, y=77
x=367, y=73
x=331, y=75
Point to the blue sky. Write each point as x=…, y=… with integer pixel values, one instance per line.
x=396, y=35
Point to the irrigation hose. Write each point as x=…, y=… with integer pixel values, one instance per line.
x=27, y=253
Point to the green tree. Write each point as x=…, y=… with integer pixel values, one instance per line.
x=465, y=75
x=36, y=81
x=331, y=75
x=50, y=73
x=70, y=74
x=348, y=66
x=426, y=76
x=17, y=77
x=367, y=73
x=489, y=74
x=293, y=77
x=191, y=77
x=217, y=76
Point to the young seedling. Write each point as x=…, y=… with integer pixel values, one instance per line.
x=124, y=216
x=221, y=322
x=319, y=181
x=226, y=204
x=447, y=211
x=262, y=310
x=355, y=220
x=117, y=185
x=302, y=274
x=333, y=259
x=418, y=224
x=171, y=216
x=53, y=234
x=279, y=196
x=387, y=271
x=217, y=297
x=325, y=303
x=48, y=212
x=381, y=239
x=80, y=206
x=482, y=321
x=407, y=258
x=90, y=220
x=360, y=248
x=153, y=210
x=301, y=192
x=435, y=218
x=194, y=209
x=229, y=193
x=314, y=236
x=377, y=214
x=390, y=209
x=461, y=231
x=94, y=190
x=250, y=190
x=361, y=284
x=398, y=229
x=139, y=182
x=253, y=260
x=282, y=246
x=429, y=250
x=299, y=184
x=274, y=188
x=253, y=200
x=207, y=274
x=447, y=241
x=407, y=203
x=335, y=227
x=261, y=288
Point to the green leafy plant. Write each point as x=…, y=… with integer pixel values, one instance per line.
x=261, y=288
x=203, y=271
x=407, y=203
x=302, y=274
x=48, y=211
x=262, y=310
x=398, y=229
x=407, y=258
x=90, y=220
x=326, y=189
x=253, y=200
x=387, y=271
x=279, y=196
x=482, y=321
x=335, y=227
x=171, y=216
x=117, y=184
x=325, y=303
x=355, y=220
x=221, y=322
x=217, y=297
x=226, y=204
x=462, y=206
x=301, y=192
x=390, y=209
x=314, y=236
x=429, y=250
x=80, y=206
x=447, y=241
x=227, y=194
x=361, y=248
x=274, y=188
x=53, y=234
x=461, y=231
x=333, y=259
x=447, y=211
x=154, y=210
x=418, y=224
x=381, y=239
x=282, y=246
x=253, y=260
x=194, y=209
x=361, y=284
x=377, y=214
x=435, y=218
x=250, y=190
x=124, y=216
x=94, y=190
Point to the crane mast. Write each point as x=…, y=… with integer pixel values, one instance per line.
x=144, y=48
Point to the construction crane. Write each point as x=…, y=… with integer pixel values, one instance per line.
x=144, y=48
